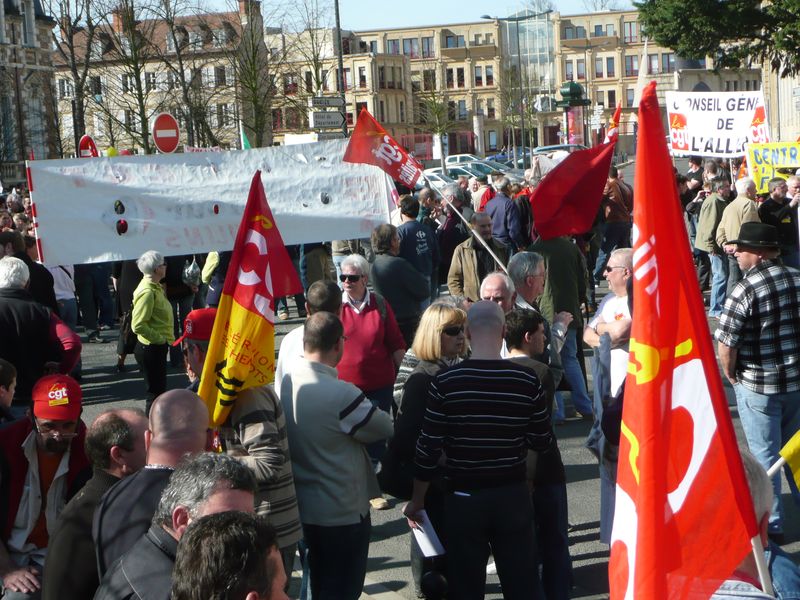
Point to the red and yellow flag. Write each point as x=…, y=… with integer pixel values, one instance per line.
x=613, y=127
x=684, y=517
x=241, y=352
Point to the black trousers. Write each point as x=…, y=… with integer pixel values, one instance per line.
x=152, y=360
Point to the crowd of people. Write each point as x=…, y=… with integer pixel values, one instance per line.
x=449, y=401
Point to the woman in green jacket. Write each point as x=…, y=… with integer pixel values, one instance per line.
x=151, y=321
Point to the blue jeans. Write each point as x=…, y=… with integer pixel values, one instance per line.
x=785, y=574
x=574, y=376
x=615, y=235
x=499, y=518
x=337, y=557
x=719, y=282
x=768, y=420
x=550, y=520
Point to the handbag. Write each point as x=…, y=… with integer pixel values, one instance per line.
x=126, y=331
x=191, y=273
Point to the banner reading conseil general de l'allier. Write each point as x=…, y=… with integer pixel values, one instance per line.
x=716, y=123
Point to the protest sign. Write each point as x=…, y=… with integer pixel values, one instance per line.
x=764, y=160
x=108, y=209
x=715, y=123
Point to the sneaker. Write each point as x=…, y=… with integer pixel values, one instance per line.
x=379, y=503
x=94, y=338
x=491, y=568
x=104, y=327
x=283, y=316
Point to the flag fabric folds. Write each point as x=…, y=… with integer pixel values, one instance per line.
x=243, y=137
x=566, y=201
x=613, y=127
x=791, y=454
x=241, y=351
x=370, y=143
x=684, y=517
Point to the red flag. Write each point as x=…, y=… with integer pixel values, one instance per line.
x=566, y=200
x=241, y=351
x=613, y=126
x=684, y=517
x=371, y=144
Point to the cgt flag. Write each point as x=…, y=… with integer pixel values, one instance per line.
x=678, y=458
x=371, y=144
x=613, y=127
x=564, y=204
x=241, y=351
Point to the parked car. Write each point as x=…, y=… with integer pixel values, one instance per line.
x=559, y=147
x=460, y=158
x=487, y=167
x=436, y=178
x=508, y=154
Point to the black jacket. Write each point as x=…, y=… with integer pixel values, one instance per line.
x=144, y=572
x=41, y=284
x=25, y=339
x=401, y=284
x=71, y=570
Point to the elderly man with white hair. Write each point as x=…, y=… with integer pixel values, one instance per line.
x=506, y=222
x=741, y=210
x=32, y=337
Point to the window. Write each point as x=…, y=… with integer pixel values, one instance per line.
x=149, y=81
x=610, y=30
x=411, y=47
x=382, y=77
x=195, y=39
x=610, y=66
x=630, y=32
x=381, y=111
x=130, y=119
x=598, y=68
x=429, y=79
x=460, y=77
x=362, y=77
x=26, y=12
x=479, y=107
x=277, y=119
x=489, y=39
x=402, y=112
x=581, y=68
x=569, y=74
x=373, y=46
x=476, y=39
x=449, y=78
x=489, y=75
x=598, y=31
x=128, y=83
x=223, y=115
x=398, y=77
x=349, y=118
x=428, y=50
x=95, y=85
x=220, y=78
x=451, y=110
x=309, y=82
x=462, y=110
x=652, y=64
x=629, y=94
x=668, y=62
x=359, y=107
x=612, y=99
x=65, y=88
x=569, y=33
x=454, y=41
x=490, y=108
x=393, y=46
x=478, y=76
x=347, y=79
x=631, y=66
x=290, y=84
x=492, y=140
x=580, y=32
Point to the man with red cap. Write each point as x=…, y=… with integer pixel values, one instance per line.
x=42, y=465
x=255, y=434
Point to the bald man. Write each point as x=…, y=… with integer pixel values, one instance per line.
x=178, y=427
x=483, y=415
x=115, y=446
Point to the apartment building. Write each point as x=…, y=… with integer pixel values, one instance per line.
x=27, y=112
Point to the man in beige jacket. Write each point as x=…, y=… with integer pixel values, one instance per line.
x=742, y=210
x=471, y=262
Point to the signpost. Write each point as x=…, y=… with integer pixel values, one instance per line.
x=87, y=148
x=326, y=102
x=326, y=120
x=330, y=135
x=166, y=133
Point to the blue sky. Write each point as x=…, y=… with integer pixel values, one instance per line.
x=381, y=14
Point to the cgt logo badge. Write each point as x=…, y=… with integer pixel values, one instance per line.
x=58, y=395
x=677, y=131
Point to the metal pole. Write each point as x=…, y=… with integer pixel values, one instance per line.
x=521, y=108
x=341, y=67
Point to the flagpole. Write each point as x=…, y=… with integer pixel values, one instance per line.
x=761, y=565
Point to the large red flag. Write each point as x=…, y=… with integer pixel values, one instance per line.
x=241, y=351
x=684, y=517
x=370, y=143
x=566, y=201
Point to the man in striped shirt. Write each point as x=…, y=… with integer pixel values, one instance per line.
x=483, y=415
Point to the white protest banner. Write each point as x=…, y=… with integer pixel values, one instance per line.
x=716, y=123
x=106, y=209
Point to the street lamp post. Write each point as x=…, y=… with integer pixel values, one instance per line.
x=516, y=21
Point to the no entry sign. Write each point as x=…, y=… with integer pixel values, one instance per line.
x=87, y=148
x=166, y=135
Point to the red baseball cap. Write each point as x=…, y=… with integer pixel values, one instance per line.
x=57, y=398
x=198, y=325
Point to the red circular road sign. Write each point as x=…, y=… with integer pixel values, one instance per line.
x=87, y=148
x=166, y=134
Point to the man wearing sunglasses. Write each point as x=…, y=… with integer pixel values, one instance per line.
x=42, y=464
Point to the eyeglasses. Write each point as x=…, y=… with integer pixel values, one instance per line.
x=609, y=268
x=453, y=330
x=57, y=430
x=350, y=278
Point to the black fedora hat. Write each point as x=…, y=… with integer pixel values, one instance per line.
x=757, y=235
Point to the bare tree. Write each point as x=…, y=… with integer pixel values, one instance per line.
x=540, y=6
x=601, y=5
x=435, y=111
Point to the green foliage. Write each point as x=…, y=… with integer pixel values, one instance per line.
x=735, y=32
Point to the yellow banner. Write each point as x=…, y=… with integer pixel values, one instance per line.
x=764, y=160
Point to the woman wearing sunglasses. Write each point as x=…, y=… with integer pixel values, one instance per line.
x=440, y=342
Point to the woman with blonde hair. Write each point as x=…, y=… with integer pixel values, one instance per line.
x=440, y=342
